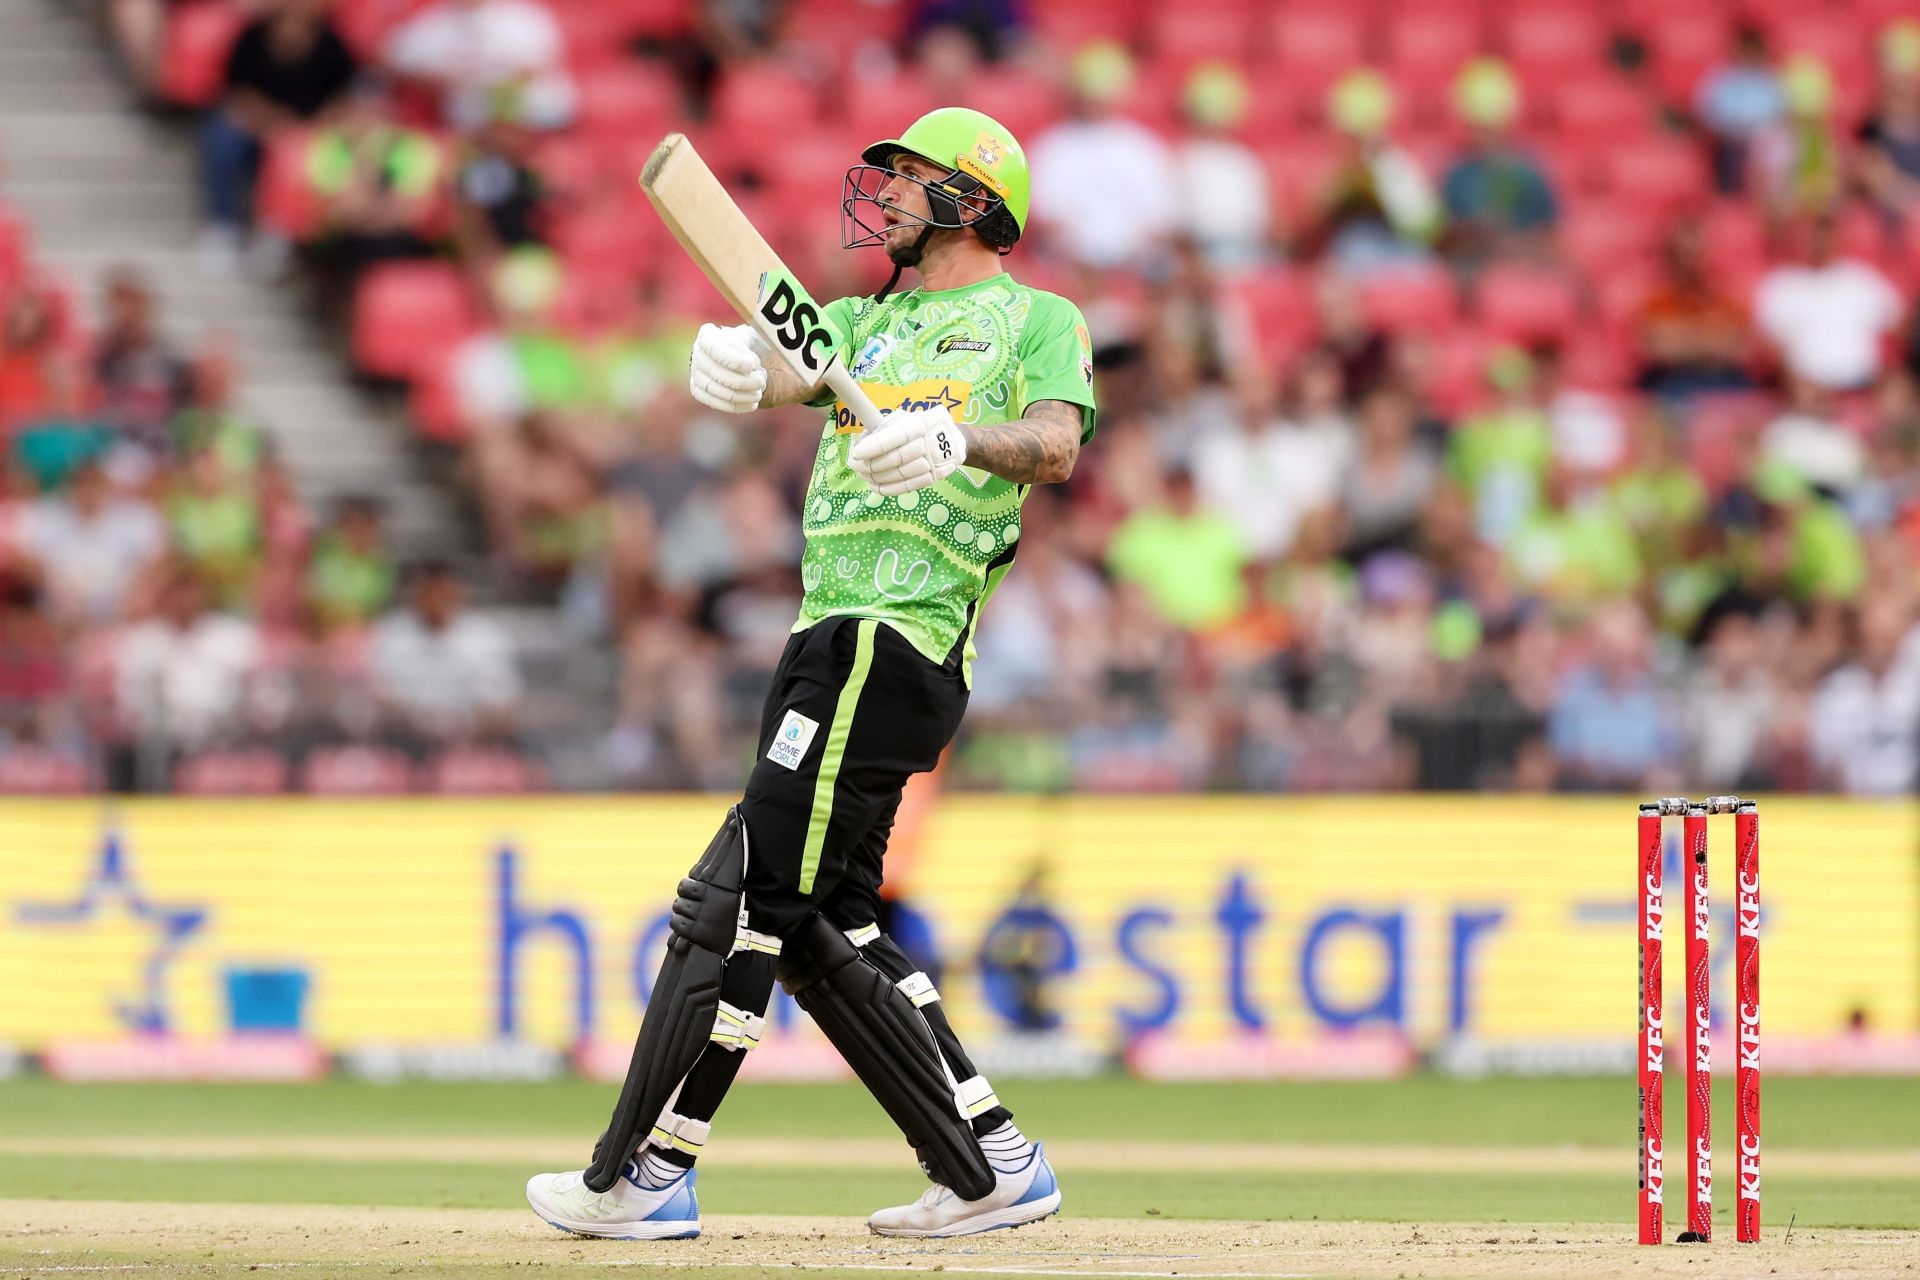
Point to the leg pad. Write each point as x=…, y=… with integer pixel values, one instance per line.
x=888, y=1043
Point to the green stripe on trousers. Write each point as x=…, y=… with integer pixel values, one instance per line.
x=836, y=748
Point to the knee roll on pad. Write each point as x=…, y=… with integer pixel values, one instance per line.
x=698, y=998
x=878, y=1028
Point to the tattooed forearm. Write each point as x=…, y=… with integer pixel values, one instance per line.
x=784, y=386
x=1040, y=448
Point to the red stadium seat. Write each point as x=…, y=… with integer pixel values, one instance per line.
x=1862, y=234
x=1420, y=299
x=16, y=245
x=357, y=771
x=1597, y=111
x=590, y=32
x=1275, y=309
x=649, y=18
x=808, y=172
x=405, y=312
x=1527, y=305
x=1831, y=35
x=1603, y=236
x=193, y=56
x=758, y=104
x=833, y=35
x=1621, y=295
x=1026, y=102
x=479, y=771
x=34, y=771
x=1453, y=367
x=1598, y=360
x=1665, y=173
x=1716, y=427
x=231, y=773
x=433, y=402
x=365, y=24
x=1735, y=238
x=1684, y=43
x=1184, y=34
x=879, y=107
x=1066, y=25
x=1425, y=51
x=1315, y=45
x=627, y=98
x=610, y=235
x=1300, y=169
x=284, y=198
x=1546, y=44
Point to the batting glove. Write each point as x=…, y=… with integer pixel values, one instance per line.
x=911, y=450
x=725, y=372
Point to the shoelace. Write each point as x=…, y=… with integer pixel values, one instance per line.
x=934, y=1195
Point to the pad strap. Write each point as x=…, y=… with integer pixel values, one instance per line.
x=863, y=935
x=974, y=1097
x=918, y=987
x=679, y=1133
x=745, y=939
x=736, y=1028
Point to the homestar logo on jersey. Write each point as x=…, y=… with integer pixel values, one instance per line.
x=927, y=393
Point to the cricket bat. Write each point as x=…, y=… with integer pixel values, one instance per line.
x=745, y=269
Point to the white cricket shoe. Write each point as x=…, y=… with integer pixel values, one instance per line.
x=1018, y=1198
x=628, y=1211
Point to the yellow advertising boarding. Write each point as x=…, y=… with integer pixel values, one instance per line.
x=445, y=922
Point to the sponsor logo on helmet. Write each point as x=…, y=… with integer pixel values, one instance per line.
x=982, y=161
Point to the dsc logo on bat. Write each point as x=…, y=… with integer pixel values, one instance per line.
x=793, y=323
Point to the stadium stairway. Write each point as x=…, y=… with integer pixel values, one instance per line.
x=102, y=183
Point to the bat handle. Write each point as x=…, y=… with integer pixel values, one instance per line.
x=853, y=395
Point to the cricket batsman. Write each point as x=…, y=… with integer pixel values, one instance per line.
x=987, y=386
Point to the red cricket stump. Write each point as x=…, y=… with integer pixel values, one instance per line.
x=1746, y=854
x=1699, y=1032
x=1651, y=892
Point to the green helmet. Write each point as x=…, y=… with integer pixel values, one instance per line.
x=977, y=145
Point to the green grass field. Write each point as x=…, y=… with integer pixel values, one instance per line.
x=1841, y=1154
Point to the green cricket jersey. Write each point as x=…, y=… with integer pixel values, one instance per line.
x=925, y=562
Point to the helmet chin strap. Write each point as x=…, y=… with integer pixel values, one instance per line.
x=910, y=258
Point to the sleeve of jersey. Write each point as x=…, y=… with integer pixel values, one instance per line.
x=1056, y=358
x=838, y=317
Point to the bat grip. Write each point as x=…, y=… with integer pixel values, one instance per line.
x=853, y=395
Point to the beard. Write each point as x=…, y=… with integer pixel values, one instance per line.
x=908, y=249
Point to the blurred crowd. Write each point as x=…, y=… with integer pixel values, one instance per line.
x=1488, y=399
x=170, y=612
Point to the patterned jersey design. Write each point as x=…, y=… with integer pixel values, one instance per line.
x=925, y=561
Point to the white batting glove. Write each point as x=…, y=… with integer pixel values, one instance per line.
x=911, y=450
x=725, y=372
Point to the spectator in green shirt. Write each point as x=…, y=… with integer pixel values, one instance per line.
x=378, y=183
x=352, y=575
x=1501, y=455
x=1186, y=559
x=215, y=519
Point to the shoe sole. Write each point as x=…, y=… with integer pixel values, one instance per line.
x=624, y=1230
x=1014, y=1215
x=667, y=1230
